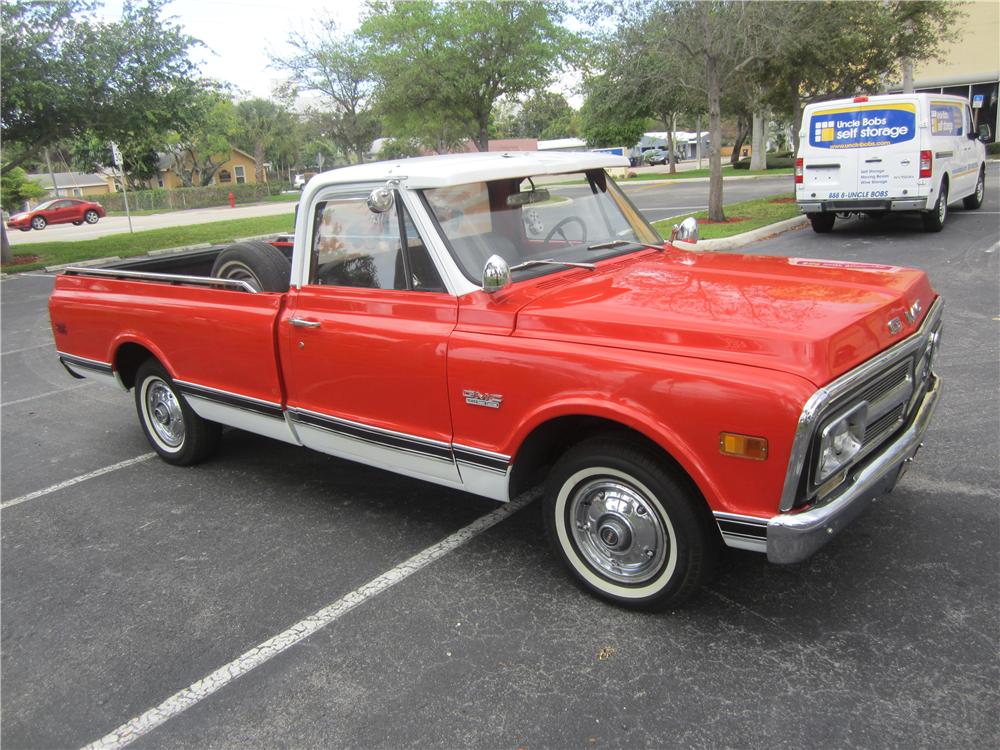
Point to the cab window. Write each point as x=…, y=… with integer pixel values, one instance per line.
x=354, y=247
x=946, y=119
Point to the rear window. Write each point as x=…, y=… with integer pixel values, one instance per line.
x=946, y=118
x=863, y=126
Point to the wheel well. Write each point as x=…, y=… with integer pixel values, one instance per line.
x=127, y=361
x=543, y=447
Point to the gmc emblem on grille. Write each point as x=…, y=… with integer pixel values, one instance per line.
x=895, y=326
x=914, y=312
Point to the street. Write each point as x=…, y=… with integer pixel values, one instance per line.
x=126, y=580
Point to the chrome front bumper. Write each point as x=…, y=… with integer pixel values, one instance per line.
x=793, y=537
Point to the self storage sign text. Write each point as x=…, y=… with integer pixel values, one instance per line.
x=861, y=128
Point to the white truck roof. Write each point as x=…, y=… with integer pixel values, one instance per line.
x=460, y=169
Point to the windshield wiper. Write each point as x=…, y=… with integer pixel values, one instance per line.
x=618, y=243
x=552, y=262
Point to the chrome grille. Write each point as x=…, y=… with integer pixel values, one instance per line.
x=884, y=425
x=884, y=384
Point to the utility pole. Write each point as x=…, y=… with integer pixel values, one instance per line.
x=52, y=174
x=697, y=139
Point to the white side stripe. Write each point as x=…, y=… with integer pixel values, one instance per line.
x=76, y=480
x=263, y=652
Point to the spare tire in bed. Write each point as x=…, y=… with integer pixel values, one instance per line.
x=261, y=265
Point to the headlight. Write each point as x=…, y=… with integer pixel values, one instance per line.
x=841, y=441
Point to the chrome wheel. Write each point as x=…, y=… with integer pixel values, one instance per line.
x=617, y=531
x=980, y=188
x=942, y=206
x=163, y=413
x=91, y=217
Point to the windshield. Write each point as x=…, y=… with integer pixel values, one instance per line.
x=42, y=206
x=573, y=218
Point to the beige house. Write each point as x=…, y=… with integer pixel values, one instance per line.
x=239, y=169
x=75, y=184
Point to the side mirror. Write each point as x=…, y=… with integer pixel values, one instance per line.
x=496, y=275
x=985, y=133
x=686, y=231
x=380, y=200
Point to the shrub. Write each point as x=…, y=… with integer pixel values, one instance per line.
x=993, y=149
x=190, y=197
x=773, y=162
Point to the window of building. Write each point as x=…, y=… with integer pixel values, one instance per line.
x=224, y=176
x=240, y=174
x=78, y=192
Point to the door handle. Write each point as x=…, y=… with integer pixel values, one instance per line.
x=301, y=323
x=873, y=161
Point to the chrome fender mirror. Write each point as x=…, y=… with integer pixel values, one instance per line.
x=380, y=199
x=496, y=275
x=686, y=231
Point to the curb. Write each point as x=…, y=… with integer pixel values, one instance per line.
x=172, y=250
x=82, y=264
x=623, y=183
x=739, y=240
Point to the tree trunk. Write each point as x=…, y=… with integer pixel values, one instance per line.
x=715, y=212
x=483, y=140
x=258, y=156
x=758, y=144
x=742, y=130
x=795, y=107
x=671, y=158
x=6, y=254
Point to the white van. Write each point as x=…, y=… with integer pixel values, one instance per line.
x=894, y=152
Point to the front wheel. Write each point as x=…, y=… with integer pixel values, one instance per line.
x=176, y=433
x=822, y=223
x=974, y=201
x=39, y=223
x=934, y=219
x=626, y=527
x=91, y=216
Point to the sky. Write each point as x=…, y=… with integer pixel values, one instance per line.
x=239, y=34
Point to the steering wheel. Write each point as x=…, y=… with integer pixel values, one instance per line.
x=559, y=228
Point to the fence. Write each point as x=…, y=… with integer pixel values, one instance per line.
x=161, y=199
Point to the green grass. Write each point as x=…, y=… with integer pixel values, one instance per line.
x=126, y=245
x=753, y=214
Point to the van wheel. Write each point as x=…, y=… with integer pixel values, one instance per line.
x=627, y=529
x=176, y=433
x=934, y=219
x=822, y=223
x=262, y=266
x=975, y=200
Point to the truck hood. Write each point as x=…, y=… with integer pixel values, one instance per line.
x=813, y=318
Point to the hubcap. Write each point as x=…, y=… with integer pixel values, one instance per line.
x=165, y=416
x=240, y=272
x=943, y=207
x=979, y=189
x=617, y=531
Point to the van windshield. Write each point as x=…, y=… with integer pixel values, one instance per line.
x=575, y=218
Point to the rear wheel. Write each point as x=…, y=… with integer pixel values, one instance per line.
x=934, y=219
x=262, y=266
x=626, y=527
x=975, y=200
x=822, y=223
x=176, y=433
x=91, y=216
x=39, y=223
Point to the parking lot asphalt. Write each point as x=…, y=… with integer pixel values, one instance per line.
x=121, y=589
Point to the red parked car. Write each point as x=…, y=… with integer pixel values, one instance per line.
x=57, y=211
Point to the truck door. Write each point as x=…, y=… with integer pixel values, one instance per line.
x=948, y=144
x=364, y=342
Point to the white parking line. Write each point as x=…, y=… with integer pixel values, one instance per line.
x=263, y=652
x=76, y=480
x=25, y=349
x=43, y=395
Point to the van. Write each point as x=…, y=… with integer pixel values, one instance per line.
x=894, y=152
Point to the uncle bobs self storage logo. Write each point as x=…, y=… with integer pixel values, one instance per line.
x=863, y=127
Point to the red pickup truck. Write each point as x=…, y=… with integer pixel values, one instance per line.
x=488, y=321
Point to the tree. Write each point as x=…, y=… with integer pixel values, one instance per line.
x=259, y=123
x=838, y=48
x=603, y=122
x=545, y=115
x=719, y=38
x=447, y=64
x=339, y=67
x=16, y=188
x=204, y=144
x=64, y=75
x=141, y=159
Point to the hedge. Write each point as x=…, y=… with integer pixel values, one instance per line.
x=191, y=197
x=993, y=148
x=773, y=162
